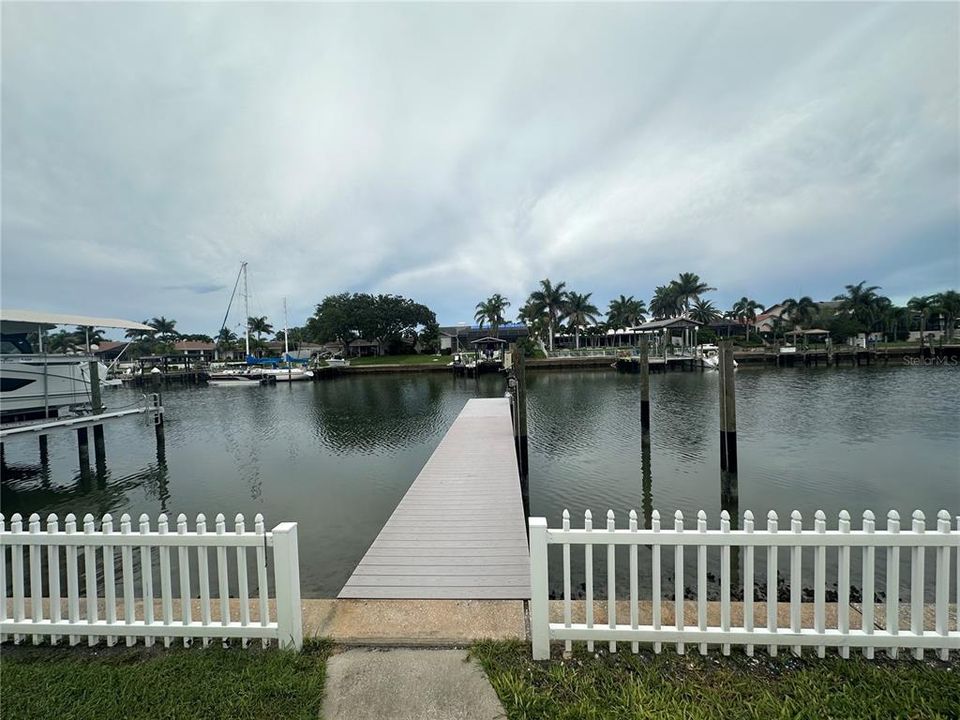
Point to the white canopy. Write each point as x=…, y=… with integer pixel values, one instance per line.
x=31, y=319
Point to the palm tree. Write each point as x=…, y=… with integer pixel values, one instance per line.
x=948, y=302
x=745, y=310
x=922, y=306
x=580, y=312
x=625, y=312
x=549, y=299
x=138, y=334
x=164, y=328
x=688, y=286
x=259, y=326
x=704, y=311
x=491, y=310
x=666, y=301
x=60, y=341
x=226, y=338
x=893, y=317
x=88, y=335
x=534, y=317
x=799, y=312
x=861, y=303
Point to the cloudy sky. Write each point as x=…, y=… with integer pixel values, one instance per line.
x=446, y=152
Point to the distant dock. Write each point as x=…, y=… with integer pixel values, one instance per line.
x=459, y=532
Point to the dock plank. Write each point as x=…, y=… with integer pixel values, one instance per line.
x=459, y=531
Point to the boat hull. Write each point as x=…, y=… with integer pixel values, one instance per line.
x=32, y=385
x=292, y=375
x=231, y=380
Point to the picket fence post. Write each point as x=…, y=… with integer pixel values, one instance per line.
x=539, y=608
x=287, y=581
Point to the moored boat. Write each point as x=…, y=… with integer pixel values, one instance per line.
x=709, y=356
x=37, y=384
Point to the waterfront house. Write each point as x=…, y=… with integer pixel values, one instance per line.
x=766, y=321
x=357, y=348
x=457, y=338
x=195, y=350
x=300, y=351
x=108, y=350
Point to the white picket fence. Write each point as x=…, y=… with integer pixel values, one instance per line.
x=868, y=540
x=99, y=616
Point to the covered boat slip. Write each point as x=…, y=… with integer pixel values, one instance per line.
x=459, y=532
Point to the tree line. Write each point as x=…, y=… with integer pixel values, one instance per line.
x=395, y=323
x=553, y=308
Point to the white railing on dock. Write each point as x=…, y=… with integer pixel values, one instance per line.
x=123, y=566
x=767, y=542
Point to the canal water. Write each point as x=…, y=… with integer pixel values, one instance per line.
x=337, y=456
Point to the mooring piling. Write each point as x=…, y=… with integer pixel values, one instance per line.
x=646, y=479
x=728, y=409
x=644, y=384
x=95, y=399
x=520, y=374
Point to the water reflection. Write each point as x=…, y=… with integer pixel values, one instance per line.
x=29, y=487
x=376, y=415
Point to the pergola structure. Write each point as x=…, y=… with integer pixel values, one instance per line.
x=663, y=332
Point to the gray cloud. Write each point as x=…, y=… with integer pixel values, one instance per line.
x=449, y=151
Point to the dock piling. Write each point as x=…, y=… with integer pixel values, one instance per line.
x=95, y=399
x=83, y=447
x=644, y=384
x=728, y=409
x=99, y=447
x=519, y=372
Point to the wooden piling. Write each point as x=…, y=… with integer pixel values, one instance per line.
x=95, y=399
x=644, y=384
x=99, y=447
x=158, y=424
x=44, y=454
x=520, y=374
x=83, y=447
x=728, y=409
x=646, y=480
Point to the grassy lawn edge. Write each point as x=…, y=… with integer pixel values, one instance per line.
x=158, y=682
x=667, y=686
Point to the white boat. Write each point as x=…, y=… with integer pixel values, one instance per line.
x=39, y=384
x=709, y=356
x=291, y=374
x=337, y=362
x=233, y=380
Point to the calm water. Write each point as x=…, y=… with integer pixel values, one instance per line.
x=337, y=456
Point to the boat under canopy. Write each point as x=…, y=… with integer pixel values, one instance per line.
x=38, y=384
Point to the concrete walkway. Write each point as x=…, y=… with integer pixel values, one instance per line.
x=406, y=684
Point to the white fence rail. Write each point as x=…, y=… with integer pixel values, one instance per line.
x=128, y=560
x=867, y=541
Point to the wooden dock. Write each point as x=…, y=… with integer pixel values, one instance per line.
x=459, y=532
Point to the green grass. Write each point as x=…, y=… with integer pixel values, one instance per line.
x=400, y=360
x=692, y=687
x=54, y=682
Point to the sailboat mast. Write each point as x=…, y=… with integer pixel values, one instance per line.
x=246, y=311
x=286, y=344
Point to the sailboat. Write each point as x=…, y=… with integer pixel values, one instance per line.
x=241, y=377
x=290, y=372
